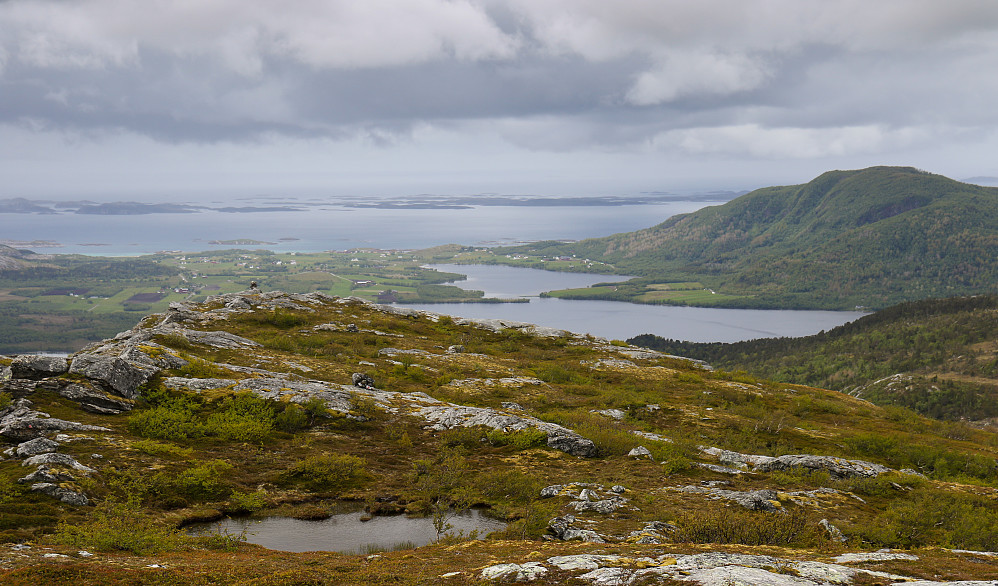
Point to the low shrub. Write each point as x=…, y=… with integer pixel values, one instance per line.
x=521, y=440
x=326, y=472
x=204, y=481
x=115, y=525
x=795, y=528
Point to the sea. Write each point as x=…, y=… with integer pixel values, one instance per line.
x=334, y=227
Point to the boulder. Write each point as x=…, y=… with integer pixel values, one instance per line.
x=63, y=494
x=36, y=367
x=19, y=423
x=54, y=459
x=118, y=375
x=39, y=445
x=639, y=452
x=525, y=572
x=94, y=400
x=836, y=467
x=561, y=528
x=46, y=474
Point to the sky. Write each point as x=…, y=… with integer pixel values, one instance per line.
x=188, y=99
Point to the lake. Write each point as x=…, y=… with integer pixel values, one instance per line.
x=616, y=320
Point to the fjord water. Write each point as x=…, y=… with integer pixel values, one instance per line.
x=616, y=320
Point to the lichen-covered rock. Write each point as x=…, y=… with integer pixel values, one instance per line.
x=561, y=528
x=92, y=399
x=45, y=474
x=55, y=459
x=63, y=494
x=118, y=375
x=836, y=467
x=525, y=572
x=20, y=423
x=39, y=445
x=35, y=367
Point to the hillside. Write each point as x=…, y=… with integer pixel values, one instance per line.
x=938, y=357
x=870, y=238
x=608, y=463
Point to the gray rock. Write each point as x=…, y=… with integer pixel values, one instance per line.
x=63, y=494
x=117, y=374
x=54, y=459
x=93, y=399
x=28, y=427
x=39, y=445
x=836, y=467
x=639, y=452
x=217, y=339
x=45, y=474
x=34, y=367
x=833, y=532
x=756, y=500
x=875, y=556
x=561, y=528
x=524, y=572
x=511, y=406
x=603, y=507
x=363, y=381
x=455, y=349
x=615, y=414
x=608, y=576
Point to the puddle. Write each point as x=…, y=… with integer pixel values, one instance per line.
x=346, y=533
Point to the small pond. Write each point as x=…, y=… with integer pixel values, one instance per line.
x=346, y=533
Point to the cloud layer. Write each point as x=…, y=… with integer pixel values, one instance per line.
x=760, y=79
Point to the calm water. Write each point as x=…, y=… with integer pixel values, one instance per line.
x=346, y=533
x=615, y=320
x=333, y=228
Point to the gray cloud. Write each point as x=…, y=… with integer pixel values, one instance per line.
x=759, y=79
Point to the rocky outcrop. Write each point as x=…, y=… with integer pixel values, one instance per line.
x=20, y=423
x=65, y=495
x=836, y=467
x=561, y=528
x=704, y=569
x=32, y=367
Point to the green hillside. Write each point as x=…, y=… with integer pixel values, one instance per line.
x=267, y=404
x=937, y=356
x=870, y=238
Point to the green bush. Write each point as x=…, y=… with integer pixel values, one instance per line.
x=119, y=526
x=794, y=529
x=521, y=440
x=292, y=419
x=166, y=422
x=326, y=472
x=198, y=368
x=204, y=481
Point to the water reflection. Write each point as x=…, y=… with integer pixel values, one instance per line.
x=346, y=533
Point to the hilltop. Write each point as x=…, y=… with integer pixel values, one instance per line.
x=870, y=238
x=938, y=357
x=609, y=463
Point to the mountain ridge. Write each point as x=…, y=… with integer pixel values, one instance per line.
x=869, y=237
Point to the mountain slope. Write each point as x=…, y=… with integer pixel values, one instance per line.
x=250, y=403
x=870, y=237
x=937, y=356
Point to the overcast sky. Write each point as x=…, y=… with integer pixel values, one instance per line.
x=196, y=98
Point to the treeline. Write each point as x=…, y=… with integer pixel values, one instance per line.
x=65, y=331
x=947, y=347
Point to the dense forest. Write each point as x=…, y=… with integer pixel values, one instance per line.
x=946, y=351
x=869, y=238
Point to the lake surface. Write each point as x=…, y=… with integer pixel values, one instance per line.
x=333, y=227
x=616, y=320
x=346, y=533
